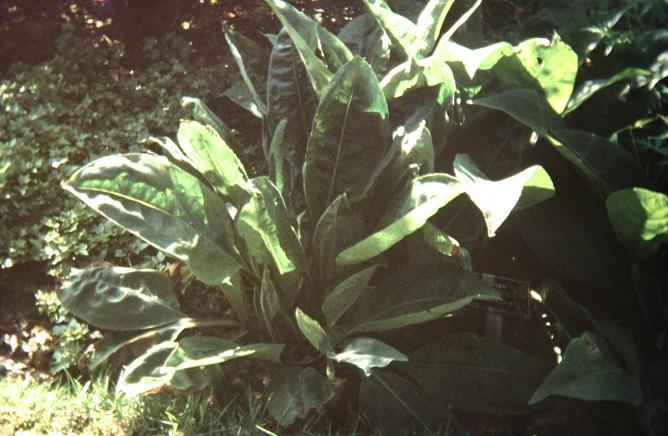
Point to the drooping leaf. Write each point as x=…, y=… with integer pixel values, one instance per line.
x=590, y=87
x=214, y=159
x=414, y=74
x=369, y=353
x=433, y=294
x=116, y=298
x=402, y=30
x=480, y=59
x=349, y=137
x=477, y=374
x=339, y=226
x=409, y=210
x=345, y=294
x=295, y=392
x=290, y=96
x=144, y=373
x=548, y=67
x=365, y=38
x=590, y=371
x=311, y=40
x=640, y=219
x=264, y=226
x=496, y=199
x=164, y=205
x=315, y=334
x=252, y=62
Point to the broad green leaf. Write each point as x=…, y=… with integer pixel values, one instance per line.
x=310, y=38
x=204, y=115
x=590, y=371
x=433, y=294
x=429, y=25
x=446, y=245
x=604, y=165
x=477, y=374
x=640, y=219
x=339, y=226
x=349, y=137
x=295, y=391
x=413, y=74
x=590, y=87
x=116, y=298
x=402, y=30
x=345, y=294
x=252, y=62
x=282, y=165
x=527, y=107
x=570, y=227
x=315, y=334
x=212, y=157
x=496, y=199
x=369, y=353
x=546, y=66
x=409, y=210
x=365, y=38
x=396, y=405
x=480, y=59
x=163, y=205
x=195, y=351
x=573, y=318
x=264, y=226
x=291, y=97
x=145, y=373
x=169, y=332
x=239, y=94
x=169, y=362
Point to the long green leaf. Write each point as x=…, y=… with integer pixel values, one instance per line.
x=315, y=334
x=115, y=298
x=433, y=294
x=640, y=219
x=590, y=371
x=409, y=210
x=365, y=38
x=295, y=392
x=414, y=74
x=429, y=25
x=310, y=38
x=164, y=205
x=496, y=199
x=345, y=294
x=340, y=226
x=290, y=97
x=481, y=59
x=477, y=374
x=252, y=62
x=204, y=115
x=349, y=137
x=212, y=157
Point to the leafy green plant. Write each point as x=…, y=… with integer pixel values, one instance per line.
x=310, y=257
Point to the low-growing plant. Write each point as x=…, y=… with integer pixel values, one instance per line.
x=348, y=238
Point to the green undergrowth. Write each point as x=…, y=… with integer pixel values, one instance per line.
x=29, y=407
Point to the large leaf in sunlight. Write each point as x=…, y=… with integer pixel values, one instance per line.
x=164, y=205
